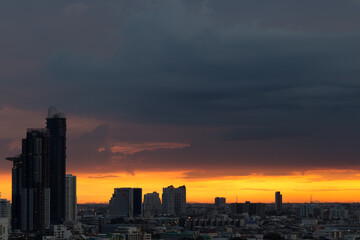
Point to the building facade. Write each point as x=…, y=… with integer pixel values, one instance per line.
x=38, y=197
x=125, y=202
x=137, y=201
x=30, y=183
x=152, y=205
x=5, y=208
x=56, y=126
x=4, y=228
x=70, y=198
x=278, y=201
x=174, y=201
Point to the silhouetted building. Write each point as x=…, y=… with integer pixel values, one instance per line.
x=251, y=209
x=168, y=201
x=70, y=198
x=125, y=202
x=220, y=202
x=180, y=201
x=17, y=185
x=30, y=183
x=174, y=200
x=137, y=201
x=278, y=201
x=152, y=205
x=56, y=126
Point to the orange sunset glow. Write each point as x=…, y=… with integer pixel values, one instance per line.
x=322, y=185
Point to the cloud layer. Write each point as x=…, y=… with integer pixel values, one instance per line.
x=236, y=86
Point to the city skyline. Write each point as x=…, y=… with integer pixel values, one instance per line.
x=239, y=99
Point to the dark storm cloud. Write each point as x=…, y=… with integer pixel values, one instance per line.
x=283, y=74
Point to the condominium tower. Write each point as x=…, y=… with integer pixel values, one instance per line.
x=56, y=126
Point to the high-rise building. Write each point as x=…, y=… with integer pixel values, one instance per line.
x=174, y=201
x=70, y=198
x=30, y=183
x=168, y=201
x=56, y=126
x=180, y=201
x=152, y=205
x=278, y=201
x=137, y=197
x=220, y=202
x=125, y=202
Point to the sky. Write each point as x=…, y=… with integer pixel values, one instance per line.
x=232, y=98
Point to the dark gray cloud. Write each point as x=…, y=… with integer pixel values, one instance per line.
x=282, y=74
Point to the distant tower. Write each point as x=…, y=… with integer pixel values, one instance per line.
x=56, y=126
x=126, y=202
x=278, y=202
x=137, y=198
x=220, y=202
x=168, y=200
x=70, y=198
x=152, y=204
x=174, y=200
x=180, y=200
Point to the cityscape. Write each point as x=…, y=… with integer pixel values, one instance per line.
x=180, y=119
x=44, y=206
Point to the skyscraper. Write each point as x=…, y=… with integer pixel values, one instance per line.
x=70, y=198
x=152, y=204
x=180, y=200
x=168, y=201
x=174, y=200
x=56, y=126
x=137, y=198
x=126, y=202
x=278, y=201
x=30, y=183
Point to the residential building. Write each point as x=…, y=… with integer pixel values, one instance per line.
x=152, y=205
x=174, y=200
x=124, y=203
x=30, y=183
x=56, y=126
